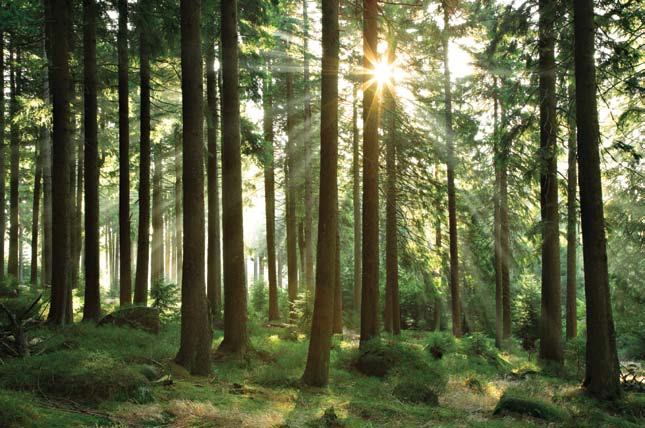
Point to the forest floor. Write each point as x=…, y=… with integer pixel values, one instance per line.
x=86, y=376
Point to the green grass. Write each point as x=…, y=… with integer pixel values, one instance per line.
x=104, y=377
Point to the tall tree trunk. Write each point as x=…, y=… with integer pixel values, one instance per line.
x=452, y=203
x=602, y=375
x=371, y=113
x=14, y=174
x=356, y=201
x=235, y=315
x=58, y=23
x=504, y=235
x=143, y=237
x=2, y=157
x=391, y=319
x=125, y=244
x=214, y=281
x=46, y=168
x=269, y=193
x=35, y=217
x=338, y=287
x=497, y=245
x=572, y=216
x=309, y=253
x=317, y=368
x=179, y=222
x=551, y=318
x=196, y=334
x=157, y=272
x=291, y=183
x=92, y=304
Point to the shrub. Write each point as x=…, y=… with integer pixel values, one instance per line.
x=14, y=411
x=377, y=358
x=440, y=343
x=421, y=385
x=78, y=374
x=165, y=298
x=518, y=404
x=259, y=299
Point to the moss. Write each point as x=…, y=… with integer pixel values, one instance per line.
x=15, y=412
x=510, y=403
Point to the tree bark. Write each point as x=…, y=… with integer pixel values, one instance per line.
x=338, y=287
x=499, y=302
x=196, y=334
x=143, y=236
x=235, y=312
x=125, y=243
x=214, y=279
x=309, y=256
x=58, y=21
x=452, y=203
x=371, y=113
x=551, y=318
x=2, y=157
x=602, y=374
x=157, y=273
x=33, y=279
x=317, y=368
x=14, y=174
x=356, y=201
x=179, y=222
x=572, y=217
x=269, y=193
x=91, y=304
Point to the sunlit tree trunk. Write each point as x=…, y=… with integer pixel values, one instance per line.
x=602, y=375
x=14, y=174
x=179, y=222
x=551, y=318
x=338, y=287
x=269, y=193
x=497, y=246
x=33, y=279
x=143, y=236
x=572, y=216
x=309, y=253
x=125, y=244
x=452, y=203
x=235, y=312
x=91, y=304
x=317, y=368
x=196, y=334
x=214, y=277
x=2, y=156
x=58, y=22
x=371, y=113
x=157, y=272
x=356, y=201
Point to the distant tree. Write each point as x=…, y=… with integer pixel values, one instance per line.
x=356, y=201
x=317, y=368
x=291, y=194
x=306, y=135
x=15, y=79
x=2, y=155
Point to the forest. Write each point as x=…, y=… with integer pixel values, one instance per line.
x=322, y=213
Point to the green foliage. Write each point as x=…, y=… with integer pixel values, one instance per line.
x=259, y=303
x=526, y=316
x=574, y=355
x=15, y=412
x=516, y=403
x=440, y=343
x=165, y=297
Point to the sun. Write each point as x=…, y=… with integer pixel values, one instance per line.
x=384, y=73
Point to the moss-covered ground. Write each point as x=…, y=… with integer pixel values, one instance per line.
x=117, y=377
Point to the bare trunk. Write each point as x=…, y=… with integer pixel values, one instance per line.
x=572, y=218
x=14, y=174
x=356, y=201
x=308, y=238
x=291, y=183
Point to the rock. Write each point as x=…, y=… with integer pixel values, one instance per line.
x=139, y=317
x=528, y=407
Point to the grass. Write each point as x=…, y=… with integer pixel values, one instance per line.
x=105, y=377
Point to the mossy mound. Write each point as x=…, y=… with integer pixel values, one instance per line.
x=512, y=404
x=377, y=359
x=415, y=392
x=139, y=317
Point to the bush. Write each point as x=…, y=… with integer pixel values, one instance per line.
x=377, y=358
x=420, y=385
x=77, y=374
x=259, y=299
x=14, y=412
x=517, y=404
x=165, y=298
x=440, y=343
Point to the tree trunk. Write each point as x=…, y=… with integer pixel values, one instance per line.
x=317, y=368
x=392, y=319
x=196, y=334
x=309, y=255
x=214, y=279
x=235, y=315
x=505, y=240
x=602, y=375
x=269, y=193
x=14, y=175
x=356, y=201
x=452, y=203
x=58, y=23
x=551, y=318
x=572, y=217
x=125, y=245
x=371, y=113
x=157, y=272
x=2, y=158
x=91, y=304
x=291, y=183
x=179, y=222
x=46, y=148
x=338, y=287
x=143, y=236
x=497, y=245
x=35, y=217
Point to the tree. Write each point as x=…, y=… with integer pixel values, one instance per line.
x=317, y=368
x=125, y=246
x=235, y=316
x=452, y=202
x=157, y=253
x=196, y=335
x=58, y=22
x=309, y=254
x=371, y=113
x=291, y=185
x=143, y=236
x=551, y=318
x=269, y=193
x=356, y=201
x=2, y=155
x=602, y=374
x=572, y=215
x=14, y=174
x=91, y=304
